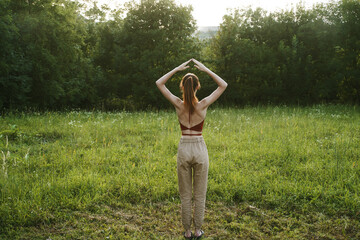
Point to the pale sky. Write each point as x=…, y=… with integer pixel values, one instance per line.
x=210, y=12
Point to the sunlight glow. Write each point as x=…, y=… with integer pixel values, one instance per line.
x=210, y=13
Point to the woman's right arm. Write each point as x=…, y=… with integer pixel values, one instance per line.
x=160, y=83
x=219, y=81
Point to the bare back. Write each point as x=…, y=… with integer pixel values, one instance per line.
x=195, y=118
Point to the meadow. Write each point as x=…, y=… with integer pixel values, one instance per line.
x=276, y=172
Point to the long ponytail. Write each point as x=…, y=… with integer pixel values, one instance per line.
x=188, y=85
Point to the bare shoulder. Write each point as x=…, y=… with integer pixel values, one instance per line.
x=178, y=103
x=179, y=106
x=203, y=104
x=202, y=108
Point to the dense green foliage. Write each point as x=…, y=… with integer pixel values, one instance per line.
x=55, y=57
x=298, y=56
x=62, y=54
x=294, y=160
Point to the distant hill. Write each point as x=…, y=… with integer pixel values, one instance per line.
x=207, y=32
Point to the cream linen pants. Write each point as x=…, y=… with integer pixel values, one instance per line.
x=192, y=169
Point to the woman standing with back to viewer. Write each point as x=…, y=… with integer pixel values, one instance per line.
x=192, y=157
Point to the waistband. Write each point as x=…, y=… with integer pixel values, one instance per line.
x=187, y=139
x=190, y=134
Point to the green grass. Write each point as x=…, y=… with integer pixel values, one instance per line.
x=275, y=173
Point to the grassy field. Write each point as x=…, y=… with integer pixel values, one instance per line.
x=275, y=173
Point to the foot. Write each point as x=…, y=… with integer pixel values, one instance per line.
x=199, y=234
x=188, y=234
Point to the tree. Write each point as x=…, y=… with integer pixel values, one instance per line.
x=14, y=83
x=348, y=50
x=157, y=35
x=295, y=56
x=53, y=71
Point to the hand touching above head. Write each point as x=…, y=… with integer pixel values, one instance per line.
x=199, y=65
x=183, y=66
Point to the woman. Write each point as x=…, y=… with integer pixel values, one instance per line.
x=192, y=158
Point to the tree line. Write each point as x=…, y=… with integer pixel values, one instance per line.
x=61, y=54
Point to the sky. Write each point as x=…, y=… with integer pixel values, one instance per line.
x=210, y=12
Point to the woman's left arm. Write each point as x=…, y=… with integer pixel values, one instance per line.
x=160, y=83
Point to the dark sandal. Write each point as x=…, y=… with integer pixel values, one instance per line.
x=191, y=236
x=200, y=236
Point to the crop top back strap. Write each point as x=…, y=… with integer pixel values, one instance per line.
x=198, y=127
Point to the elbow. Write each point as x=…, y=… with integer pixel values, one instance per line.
x=225, y=85
x=159, y=84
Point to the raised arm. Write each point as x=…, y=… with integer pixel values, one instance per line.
x=160, y=83
x=219, y=81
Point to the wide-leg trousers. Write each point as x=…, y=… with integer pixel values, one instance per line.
x=192, y=169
